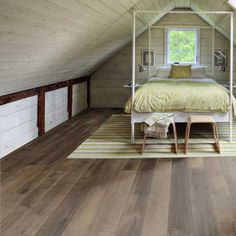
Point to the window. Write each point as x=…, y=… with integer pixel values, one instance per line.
x=182, y=45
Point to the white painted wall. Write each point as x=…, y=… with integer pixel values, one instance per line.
x=18, y=124
x=18, y=120
x=55, y=108
x=107, y=81
x=42, y=42
x=79, y=98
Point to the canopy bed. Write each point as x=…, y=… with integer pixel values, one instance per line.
x=218, y=104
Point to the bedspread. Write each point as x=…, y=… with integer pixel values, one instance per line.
x=181, y=96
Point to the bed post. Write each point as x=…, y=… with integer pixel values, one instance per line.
x=149, y=48
x=133, y=80
x=213, y=53
x=231, y=76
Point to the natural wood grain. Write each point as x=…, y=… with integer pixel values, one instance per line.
x=16, y=96
x=180, y=212
x=202, y=210
x=222, y=201
x=88, y=92
x=43, y=193
x=41, y=112
x=131, y=221
x=201, y=119
x=35, y=91
x=70, y=100
x=146, y=134
x=156, y=220
x=117, y=192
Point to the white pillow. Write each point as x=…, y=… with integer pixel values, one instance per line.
x=199, y=72
x=163, y=71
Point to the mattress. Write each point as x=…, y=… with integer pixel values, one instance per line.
x=181, y=95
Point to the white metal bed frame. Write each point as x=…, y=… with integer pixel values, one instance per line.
x=179, y=117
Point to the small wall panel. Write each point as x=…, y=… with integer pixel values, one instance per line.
x=79, y=98
x=18, y=124
x=55, y=108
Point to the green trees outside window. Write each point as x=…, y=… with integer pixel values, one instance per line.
x=182, y=45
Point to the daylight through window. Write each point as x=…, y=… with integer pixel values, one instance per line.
x=182, y=46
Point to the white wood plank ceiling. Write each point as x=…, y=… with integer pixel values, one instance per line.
x=46, y=41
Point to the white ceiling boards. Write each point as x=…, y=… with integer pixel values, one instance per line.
x=47, y=41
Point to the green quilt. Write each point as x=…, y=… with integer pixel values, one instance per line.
x=182, y=96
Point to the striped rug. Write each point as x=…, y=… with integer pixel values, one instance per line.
x=112, y=140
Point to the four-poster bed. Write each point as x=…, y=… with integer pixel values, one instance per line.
x=139, y=117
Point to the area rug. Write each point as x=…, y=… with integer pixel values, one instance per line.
x=112, y=140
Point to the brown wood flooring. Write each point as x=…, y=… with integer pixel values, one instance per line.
x=43, y=193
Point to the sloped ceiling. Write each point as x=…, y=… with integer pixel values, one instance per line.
x=46, y=41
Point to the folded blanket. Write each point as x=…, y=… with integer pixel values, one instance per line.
x=159, y=118
x=158, y=125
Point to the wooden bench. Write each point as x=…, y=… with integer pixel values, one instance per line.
x=201, y=119
x=175, y=138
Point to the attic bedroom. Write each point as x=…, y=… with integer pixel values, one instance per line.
x=117, y=117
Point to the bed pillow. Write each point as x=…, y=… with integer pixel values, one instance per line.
x=163, y=72
x=180, y=71
x=199, y=72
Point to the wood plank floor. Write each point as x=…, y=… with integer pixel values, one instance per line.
x=43, y=193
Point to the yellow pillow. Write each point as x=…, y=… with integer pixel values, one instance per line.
x=180, y=71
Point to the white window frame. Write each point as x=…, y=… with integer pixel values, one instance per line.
x=197, y=43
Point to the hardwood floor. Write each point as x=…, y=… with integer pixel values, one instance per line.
x=43, y=193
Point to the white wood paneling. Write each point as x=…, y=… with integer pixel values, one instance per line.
x=220, y=21
x=42, y=42
x=107, y=81
x=79, y=98
x=18, y=124
x=55, y=108
x=18, y=120
x=47, y=41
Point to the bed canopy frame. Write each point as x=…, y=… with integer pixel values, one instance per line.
x=181, y=116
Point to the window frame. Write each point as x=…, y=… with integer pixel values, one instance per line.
x=197, y=43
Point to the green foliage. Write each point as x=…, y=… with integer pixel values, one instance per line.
x=182, y=46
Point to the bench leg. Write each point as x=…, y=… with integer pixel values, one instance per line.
x=175, y=137
x=144, y=142
x=216, y=136
x=187, y=133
